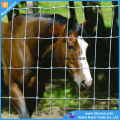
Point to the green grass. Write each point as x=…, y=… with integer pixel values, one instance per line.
x=106, y=12
x=58, y=91
x=4, y=19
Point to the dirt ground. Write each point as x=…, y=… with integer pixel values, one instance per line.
x=57, y=109
x=43, y=113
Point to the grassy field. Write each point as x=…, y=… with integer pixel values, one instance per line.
x=106, y=12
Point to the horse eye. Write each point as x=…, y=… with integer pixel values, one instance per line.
x=71, y=47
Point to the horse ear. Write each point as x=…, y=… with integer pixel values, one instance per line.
x=72, y=25
x=47, y=52
x=84, y=23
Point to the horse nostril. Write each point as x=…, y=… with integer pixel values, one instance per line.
x=83, y=85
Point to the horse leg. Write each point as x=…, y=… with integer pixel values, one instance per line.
x=31, y=103
x=18, y=102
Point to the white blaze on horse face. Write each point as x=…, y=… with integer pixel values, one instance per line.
x=85, y=72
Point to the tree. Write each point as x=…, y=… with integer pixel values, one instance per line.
x=103, y=44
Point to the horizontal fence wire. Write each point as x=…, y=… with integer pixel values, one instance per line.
x=67, y=7
x=51, y=68
x=58, y=98
x=60, y=37
x=91, y=68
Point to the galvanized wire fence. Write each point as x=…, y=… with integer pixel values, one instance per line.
x=94, y=68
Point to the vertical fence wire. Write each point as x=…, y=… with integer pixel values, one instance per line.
x=110, y=58
x=25, y=35
x=52, y=63
x=38, y=64
x=81, y=52
x=95, y=58
x=66, y=61
x=10, y=63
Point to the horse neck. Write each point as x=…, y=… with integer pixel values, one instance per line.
x=45, y=32
x=35, y=29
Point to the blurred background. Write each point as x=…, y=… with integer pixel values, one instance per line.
x=102, y=60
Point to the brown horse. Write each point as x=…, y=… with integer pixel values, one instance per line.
x=27, y=60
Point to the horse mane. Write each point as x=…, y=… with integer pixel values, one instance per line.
x=58, y=18
x=61, y=20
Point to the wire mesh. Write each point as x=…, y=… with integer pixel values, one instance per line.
x=109, y=68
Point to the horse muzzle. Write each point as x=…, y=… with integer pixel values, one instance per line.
x=84, y=85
